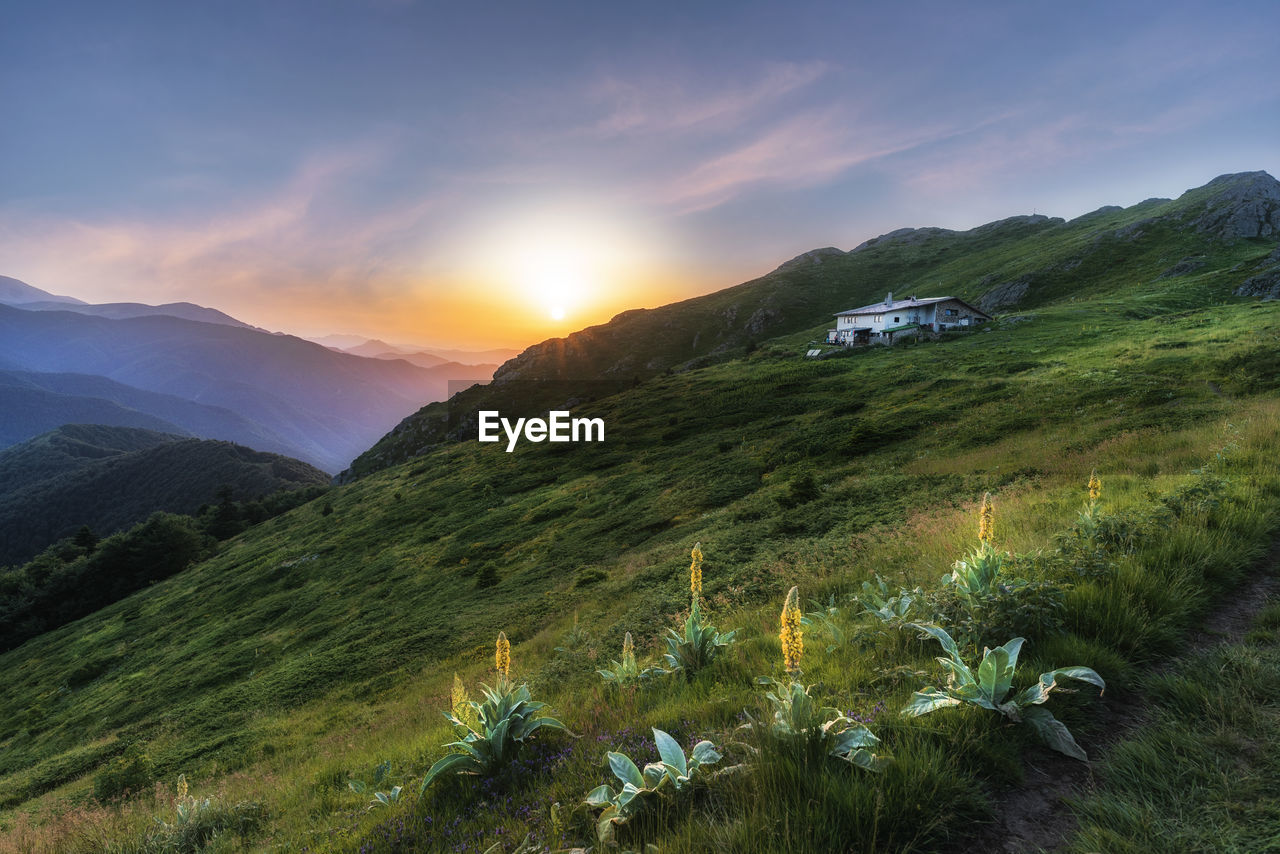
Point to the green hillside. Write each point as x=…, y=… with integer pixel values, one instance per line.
x=111, y=478
x=323, y=643
x=1014, y=264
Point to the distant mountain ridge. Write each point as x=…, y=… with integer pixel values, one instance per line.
x=1016, y=262
x=36, y=403
x=297, y=396
x=16, y=292
x=111, y=478
x=124, y=310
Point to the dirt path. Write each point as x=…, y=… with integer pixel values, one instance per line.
x=1035, y=817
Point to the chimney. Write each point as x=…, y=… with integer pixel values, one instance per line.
x=888, y=300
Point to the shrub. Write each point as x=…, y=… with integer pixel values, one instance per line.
x=127, y=774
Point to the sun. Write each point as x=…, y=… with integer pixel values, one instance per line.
x=558, y=278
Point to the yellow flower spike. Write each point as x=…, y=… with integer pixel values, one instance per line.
x=628, y=647
x=502, y=658
x=1095, y=486
x=695, y=570
x=986, y=519
x=458, y=698
x=182, y=786
x=792, y=643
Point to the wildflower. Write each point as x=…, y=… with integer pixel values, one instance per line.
x=628, y=649
x=503, y=655
x=986, y=519
x=1095, y=486
x=695, y=570
x=182, y=786
x=792, y=644
x=459, y=699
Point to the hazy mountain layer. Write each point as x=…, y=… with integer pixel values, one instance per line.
x=325, y=407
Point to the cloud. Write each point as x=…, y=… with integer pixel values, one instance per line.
x=304, y=234
x=660, y=105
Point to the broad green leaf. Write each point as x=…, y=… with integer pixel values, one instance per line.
x=454, y=763
x=1053, y=732
x=995, y=673
x=1084, y=674
x=625, y=770
x=669, y=750
x=704, y=753
x=600, y=796
x=928, y=700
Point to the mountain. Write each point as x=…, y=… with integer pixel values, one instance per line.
x=314, y=649
x=121, y=310
x=111, y=478
x=15, y=292
x=30, y=408
x=35, y=403
x=1017, y=263
x=323, y=406
x=423, y=356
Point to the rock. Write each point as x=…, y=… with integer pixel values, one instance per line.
x=1266, y=285
x=1002, y=295
x=1243, y=205
x=761, y=319
x=1187, y=265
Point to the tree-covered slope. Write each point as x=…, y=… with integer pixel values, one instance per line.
x=110, y=478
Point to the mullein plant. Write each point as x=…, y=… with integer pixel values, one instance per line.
x=701, y=642
x=501, y=724
x=674, y=775
x=975, y=574
x=1087, y=520
x=990, y=687
x=627, y=671
x=797, y=718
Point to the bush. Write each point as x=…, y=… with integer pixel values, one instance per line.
x=128, y=774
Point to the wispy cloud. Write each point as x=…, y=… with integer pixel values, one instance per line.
x=299, y=234
x=665, y=105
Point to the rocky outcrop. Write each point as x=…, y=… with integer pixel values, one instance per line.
x=1187, y=265
x=1008, y=293
x=1242, y=205
x=1265, y=283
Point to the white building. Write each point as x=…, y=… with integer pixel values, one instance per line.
x=882, y=322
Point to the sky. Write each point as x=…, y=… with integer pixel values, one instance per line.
x=493, y=174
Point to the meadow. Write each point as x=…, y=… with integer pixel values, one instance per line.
x=319, y=649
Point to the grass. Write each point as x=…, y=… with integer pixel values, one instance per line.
x=318, y=645
x=1203, y=775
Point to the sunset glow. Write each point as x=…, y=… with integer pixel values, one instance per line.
x=403, y=170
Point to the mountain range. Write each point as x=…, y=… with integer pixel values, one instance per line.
x=186, y=369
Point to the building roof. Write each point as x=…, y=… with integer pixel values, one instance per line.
x=898, y=304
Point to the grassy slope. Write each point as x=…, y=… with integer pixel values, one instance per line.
x=1085, y=258
x=319, y=644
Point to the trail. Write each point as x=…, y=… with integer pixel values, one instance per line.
x=1034, y=816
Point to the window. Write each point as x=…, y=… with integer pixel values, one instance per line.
x=879, y=318
x=951, y=312
x=895, y=320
